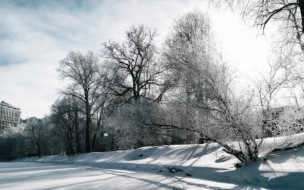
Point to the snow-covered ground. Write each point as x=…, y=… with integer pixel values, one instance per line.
x=23, y=175
x=167, y=167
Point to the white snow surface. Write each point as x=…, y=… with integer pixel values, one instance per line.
x=148, y=168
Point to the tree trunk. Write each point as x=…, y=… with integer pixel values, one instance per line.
x=88, y=122
x=94, y=141
x=39, y=149
x=76, y=130
x=87, y=138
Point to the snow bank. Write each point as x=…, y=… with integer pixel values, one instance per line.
x=174, y=155
x=201, y=164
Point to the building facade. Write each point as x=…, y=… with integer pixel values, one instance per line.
x=9, y=116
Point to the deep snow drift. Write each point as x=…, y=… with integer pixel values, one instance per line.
x=196, y=166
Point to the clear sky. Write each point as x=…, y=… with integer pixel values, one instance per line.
x=35, y=35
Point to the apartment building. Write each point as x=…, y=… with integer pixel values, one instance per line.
x=9, y=116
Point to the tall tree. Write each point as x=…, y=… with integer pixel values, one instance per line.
x=190, y=56
x=84, y=79
x=136, y=72
x=206, y=91
x=136, y=78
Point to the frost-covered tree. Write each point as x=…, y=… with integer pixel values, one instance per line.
x=136, y=124
x=204, y=89
x=36, y=136
x=289, y=121
x=189, y=52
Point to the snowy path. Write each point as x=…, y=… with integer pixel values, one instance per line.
x=26, y=175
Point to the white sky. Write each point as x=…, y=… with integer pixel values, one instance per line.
x=36, y=35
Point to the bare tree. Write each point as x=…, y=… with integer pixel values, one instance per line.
x=136, y=78
x=84, y=79
x=65, y=119
x=289, y=15
x=103, y=115
x=135, y=70
x=36, y=131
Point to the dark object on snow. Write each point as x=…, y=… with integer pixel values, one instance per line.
x=237, y=165
x=187, y=174
x=174, y=170
x=140, y=155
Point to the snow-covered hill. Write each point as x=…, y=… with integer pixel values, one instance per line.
x=201, y=165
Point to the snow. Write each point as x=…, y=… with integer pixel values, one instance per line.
x=204, y=166
x=49, y=176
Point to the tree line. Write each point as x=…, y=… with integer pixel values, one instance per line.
x=136, y=93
